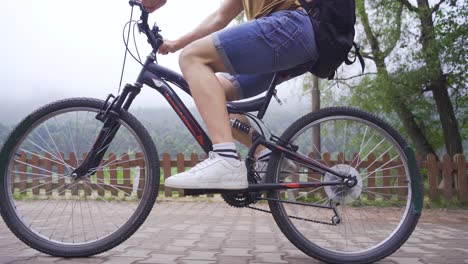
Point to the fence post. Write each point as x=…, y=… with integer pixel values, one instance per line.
x=432, y=173
x=35, y=179
x=48, y=166
x=100, y=180
x=113, y=174
x=87, y=187
x=180, y=168
x=447, y=177
x=23, y=170
x=73, y=162
x=140, y=157
x=61, y=171
x=166, y=164
x=387, y=175
x=371, y=177
x=126, y=174
x=461, y=177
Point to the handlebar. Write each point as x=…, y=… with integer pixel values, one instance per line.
x=154, y=38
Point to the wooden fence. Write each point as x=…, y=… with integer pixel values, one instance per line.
x=446, y=178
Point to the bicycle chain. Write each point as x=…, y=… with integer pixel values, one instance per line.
x=243, y=201
x=293, y=217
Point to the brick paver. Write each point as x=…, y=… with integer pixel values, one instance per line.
x=213, y=232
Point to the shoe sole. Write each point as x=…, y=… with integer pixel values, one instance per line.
x=231, y=186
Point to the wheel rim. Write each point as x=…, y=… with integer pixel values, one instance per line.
x=63, y=211
x=369, y=217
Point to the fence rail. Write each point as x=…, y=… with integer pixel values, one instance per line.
x=446, y=178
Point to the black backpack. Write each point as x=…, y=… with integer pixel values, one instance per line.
x=333, y=22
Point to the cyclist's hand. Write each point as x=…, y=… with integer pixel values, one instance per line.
x=169, y=46
x=152, y=5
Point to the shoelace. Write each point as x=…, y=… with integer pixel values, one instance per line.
x=211, y=158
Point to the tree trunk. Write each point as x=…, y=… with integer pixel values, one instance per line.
x=438, y=82
x=399, y=105
x=452, y=138
x=423, y=147
x=315, y=107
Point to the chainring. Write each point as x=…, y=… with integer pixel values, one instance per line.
x=241, y=199
x=238, y=200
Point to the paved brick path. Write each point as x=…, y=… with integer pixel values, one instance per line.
x=212, y=232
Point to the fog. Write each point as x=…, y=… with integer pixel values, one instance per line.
x=55, y=49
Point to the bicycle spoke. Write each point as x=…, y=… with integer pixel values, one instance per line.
x=60, y=160
x=66, y=212
x=45, y=158
x=52, y=151
x=370, y=152
x=114, y=187
x=379, y=170
x=91, y=215
x=53, y=141
x=33, y=166
x=383, y=194
x=37, y=174
x=113, y=163
x=379, y=157
x=367, y=213
x=71, y=137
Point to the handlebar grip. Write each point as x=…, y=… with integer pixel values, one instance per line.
x=138, y=3
x=135, y=3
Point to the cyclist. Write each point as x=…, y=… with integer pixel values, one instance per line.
x=278, y=36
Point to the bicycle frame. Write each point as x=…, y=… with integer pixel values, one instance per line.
x=155, y=76
x=158, y=77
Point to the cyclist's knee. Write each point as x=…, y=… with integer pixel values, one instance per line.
x=201, y=52
x=187, y=57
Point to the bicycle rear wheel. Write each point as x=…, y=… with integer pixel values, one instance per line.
x=55, y=214
x=373, y=218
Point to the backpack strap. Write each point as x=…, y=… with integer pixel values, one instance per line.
x=309, y=6
x=357, y=49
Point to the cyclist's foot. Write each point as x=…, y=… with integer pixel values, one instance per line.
x=212, y=173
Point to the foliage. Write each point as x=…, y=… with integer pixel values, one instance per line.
x=452, y=32
x=392, y=38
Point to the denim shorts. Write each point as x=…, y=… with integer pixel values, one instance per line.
x=253, y=51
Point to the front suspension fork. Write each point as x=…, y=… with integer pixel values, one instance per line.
x=109, y=115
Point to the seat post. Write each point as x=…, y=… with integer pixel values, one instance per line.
x=271, y=91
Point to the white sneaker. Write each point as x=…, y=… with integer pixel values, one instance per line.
x=212, y=173
x=288, y=168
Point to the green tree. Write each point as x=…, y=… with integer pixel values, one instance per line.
x=383, y=34
x=432, y=25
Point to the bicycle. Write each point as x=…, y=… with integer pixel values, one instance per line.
x=342, y=185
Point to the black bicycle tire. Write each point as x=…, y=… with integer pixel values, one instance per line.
x=313, y=250
x=107, y=243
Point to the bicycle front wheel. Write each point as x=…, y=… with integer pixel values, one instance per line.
x=56, y=214
x=342, y=224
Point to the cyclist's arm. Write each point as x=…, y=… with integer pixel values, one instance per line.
x=228, y=10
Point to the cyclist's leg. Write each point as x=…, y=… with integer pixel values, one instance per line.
x=277, y=42
x=233, y=88
x=199, y=61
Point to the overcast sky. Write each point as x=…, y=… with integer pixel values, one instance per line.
x=54, y=49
